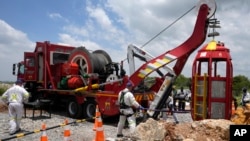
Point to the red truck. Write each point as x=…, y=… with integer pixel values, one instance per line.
x=80, y=79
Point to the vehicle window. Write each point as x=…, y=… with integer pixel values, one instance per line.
x=30, y=62
x=60, y=58
x=21, y=69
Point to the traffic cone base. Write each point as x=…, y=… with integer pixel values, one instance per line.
x=66, y=133
x=44, y=138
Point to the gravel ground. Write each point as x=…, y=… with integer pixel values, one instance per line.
x=82, y=131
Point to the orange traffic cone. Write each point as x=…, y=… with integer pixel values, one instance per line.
x=99, y=130
x=44, y=135
x=66, y=131
x=233, y=108
x=97, y=114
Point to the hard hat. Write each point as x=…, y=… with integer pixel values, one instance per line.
x=129, y=84
x=19, y=81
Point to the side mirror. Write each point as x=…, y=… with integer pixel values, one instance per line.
x=14, y=69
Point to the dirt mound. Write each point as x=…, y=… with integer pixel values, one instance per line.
x=209, y=129
x=241, y=116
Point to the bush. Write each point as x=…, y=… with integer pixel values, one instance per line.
x=2, y=91
x=3, y=88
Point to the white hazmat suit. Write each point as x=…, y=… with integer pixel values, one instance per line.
x=126, y=102
x=14, y=98
x=245, y=97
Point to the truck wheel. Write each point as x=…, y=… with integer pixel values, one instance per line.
x=89, y=109
x=74, y=109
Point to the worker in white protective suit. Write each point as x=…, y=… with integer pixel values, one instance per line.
x=127, y=102
x=14, y=98
x=245, y=97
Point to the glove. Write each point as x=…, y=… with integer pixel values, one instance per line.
x=141, y=108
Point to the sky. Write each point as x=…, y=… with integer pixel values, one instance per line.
x=112, y=25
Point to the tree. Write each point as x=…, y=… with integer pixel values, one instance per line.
x=239, y=82
x=181, y=80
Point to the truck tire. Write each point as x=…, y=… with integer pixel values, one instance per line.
x=89, y=109
x=74, y=109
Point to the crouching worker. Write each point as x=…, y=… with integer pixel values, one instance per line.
x=14, y=98
x=126, y=102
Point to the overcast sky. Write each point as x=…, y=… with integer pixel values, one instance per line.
x=112, y=25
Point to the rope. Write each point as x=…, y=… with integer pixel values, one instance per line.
x=167, y=27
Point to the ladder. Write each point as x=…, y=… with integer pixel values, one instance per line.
x=200, y=92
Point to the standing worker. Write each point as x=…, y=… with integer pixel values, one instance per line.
x=171, y=107
x=14, y=98
x=182, y=101
x=245, y=97
x=127, y=102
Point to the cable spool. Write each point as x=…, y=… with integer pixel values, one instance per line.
x=95, y=62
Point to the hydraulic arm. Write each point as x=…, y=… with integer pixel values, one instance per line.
x=179, y=54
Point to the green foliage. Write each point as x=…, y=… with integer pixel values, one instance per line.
x=239, y=82
x=183, y=81
x=3, y=88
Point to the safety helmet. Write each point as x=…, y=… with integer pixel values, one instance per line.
x=129, y=84
x=19, y=81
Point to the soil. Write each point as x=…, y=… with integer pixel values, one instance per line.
x=197, y=132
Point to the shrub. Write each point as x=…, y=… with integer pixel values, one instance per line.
x=3, y=88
